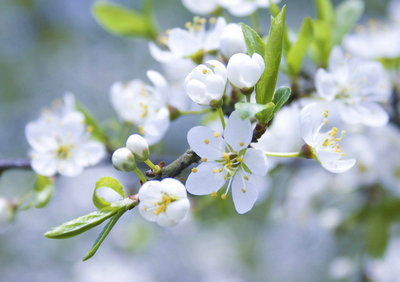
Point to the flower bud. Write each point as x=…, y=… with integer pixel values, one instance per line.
x=123, y=159
x=6, y=211
x=138, y=146
x=245, y=71
x=164, y=202
x=206, y=82
x=232, y=40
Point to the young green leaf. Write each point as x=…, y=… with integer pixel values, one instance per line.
x=322, y=45
x=254, y=42
x=264, y=116
x=93, y=126
x=272, y=56
x=298, y=51
x=107, y=182
x=346, y=16
x=81, y=224
x=43, y=191
x=274, y=9
x=325, y=10
x=377, y=235
x=281, y=96
x=249, y=110
x=122, y=21
x=104, y=234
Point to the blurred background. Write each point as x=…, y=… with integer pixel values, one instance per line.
x=50, y=47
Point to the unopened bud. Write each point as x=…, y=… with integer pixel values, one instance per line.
x=138, y=146
x=307, y=152
x=123, y=159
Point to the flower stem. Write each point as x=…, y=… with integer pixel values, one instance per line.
x=248, y=98
x=221, y=116
x=154, y=167
x=199, y=112
x=284, y=155
x=140, y=174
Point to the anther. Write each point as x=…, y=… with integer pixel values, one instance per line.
x=216, y=134
x=194, y=170
x=223, y=197
x=206, y=141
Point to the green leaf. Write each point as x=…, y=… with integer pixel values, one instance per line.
x=267, y=114
x=274, y=9
x=104, y=234
x=81, y=224
x=377, y=235
x=322, y=44
x=254, y=42
x=107, y=182
x=325, y=10
x=299, y=49
x=346, y=16
x=93, y=126
x=248, y=110
x=44, y=188
x=272, y=56
x=122, y=21
x=281, y=96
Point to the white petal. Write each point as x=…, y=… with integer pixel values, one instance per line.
x=311, y=120
x=202, y=7
x=69, y=167
x=90, y=153
x=174, y=187
x=238, y=132
x=256, y=161
x=373, y=114
x=182, y=42
x=160, y=55
x=157, y=79
x=150, y=190
x=44, y=163
x=204, y=142
x=156, y=125
x=205, y=181
x=212, y=36
x=164, y=221
x=244, y=193
x=326, y=85
x=145, y=212
x=178, y=209
x=40, y=136
x=339, y=166
x=71, y=127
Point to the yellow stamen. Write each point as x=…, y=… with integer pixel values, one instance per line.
x=216, y=134
x=241, y=143
x=206, y=141
x=243, y=190
x=194, y=170
x=204, y=160
x=223, y=197
x=214, y=194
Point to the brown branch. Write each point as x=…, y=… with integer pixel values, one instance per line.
x=17, y=163
x=177, y=166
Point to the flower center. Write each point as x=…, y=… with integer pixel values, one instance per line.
x=333, y=141
x=64, y=152
x=230, y=161
x=162, y=206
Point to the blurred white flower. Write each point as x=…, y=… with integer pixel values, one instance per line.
x=394, y=11
x=342, y=268
x=330, y=218
x=164, y=202
x=283, y=135
x=61, y=143
x=123, y=159
x=143, y=105
x=195, y=41
x=242, y=8
x=324, y=146
x=206, y=82
x=386, y=269
x=355, y=86
x=232, y=40
x=6, y=211
x=200, y=7
x=227, y=160
x=138, y=146
x=245, y=71
x=374, y=41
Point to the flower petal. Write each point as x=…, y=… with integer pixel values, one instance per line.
x=90, y=153
x=204, y=181
x=244, y=192
x=206, y=142
x=44, y=163
x=164, y=221
x=156, y=125
x=256, y=161
x=174, y=187
x=182, y=43
x=238, y=132
x=326, y=85
x=178, y=209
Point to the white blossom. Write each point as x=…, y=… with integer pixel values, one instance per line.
x=201, y=7
x=325, y=146
x=61, y=143
x=164, y=202
x=242, y=8
x=245, y=71
x=375, y=41
x=342, y=268
x=387, y=268
x=143, y=105
x=123, y=159
x=355, y=86
x=138, y=146
x=232, y=40
x=182, y=43
x=206, y=82
x=227, y=161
